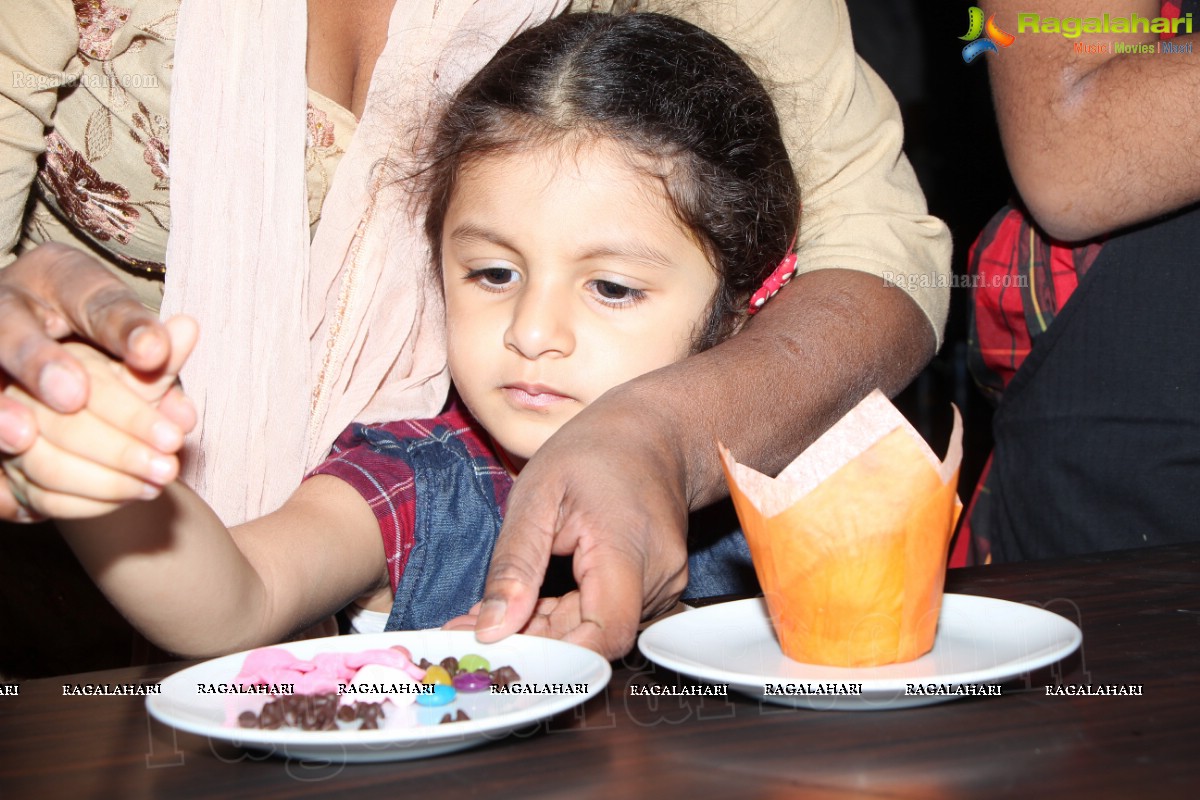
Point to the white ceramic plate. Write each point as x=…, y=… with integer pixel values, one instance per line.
x=492, y=716
x=980, y=640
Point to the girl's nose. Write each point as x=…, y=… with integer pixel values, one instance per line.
x=540, y=325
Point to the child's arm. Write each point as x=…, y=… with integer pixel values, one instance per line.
x=170, y=565
x=195, y=588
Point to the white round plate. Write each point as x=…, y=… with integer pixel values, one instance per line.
x=980, y=640
x=537, y=660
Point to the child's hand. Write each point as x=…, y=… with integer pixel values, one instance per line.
x=120, y=447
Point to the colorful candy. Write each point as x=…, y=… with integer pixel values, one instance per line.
x=472, y=681
x=353, y=688
x=437, y=674
x=474, y=663
x=441, y=695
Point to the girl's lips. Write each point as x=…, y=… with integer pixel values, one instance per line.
x=532, y=397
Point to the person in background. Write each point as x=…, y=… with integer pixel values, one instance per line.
x=1084, y=319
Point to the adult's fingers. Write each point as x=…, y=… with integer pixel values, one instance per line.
x=609, y=603
x=53, y=291
x=121, y=399
x=557, y=618
x=48, y=481
x=18, y=431
x=53, y=505
x=99, y=307
x=518, y=561
x=608, y=562
x=553, y=617
x=466, y=622
x=30, y=355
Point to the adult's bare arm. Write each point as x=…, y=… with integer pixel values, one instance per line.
x=614, y=486
x=1095, y=141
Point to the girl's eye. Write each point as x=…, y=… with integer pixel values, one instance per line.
x=494, y=279
x=615, y=294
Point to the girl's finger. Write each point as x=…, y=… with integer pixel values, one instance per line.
x=35, y=503
x=184, y=332
x=175, y=405
x=47, y=469
x=88, y=437
x=113, y=401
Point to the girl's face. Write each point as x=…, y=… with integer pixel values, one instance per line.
x=566, y=273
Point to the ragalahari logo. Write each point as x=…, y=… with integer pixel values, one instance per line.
x=992, y=35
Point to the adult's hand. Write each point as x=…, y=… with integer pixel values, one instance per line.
x=609, y=489
x=48, y=294
x=613, y=487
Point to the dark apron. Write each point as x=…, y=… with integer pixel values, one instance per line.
x=1098, y=434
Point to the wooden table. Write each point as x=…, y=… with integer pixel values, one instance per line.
x=1139, y=612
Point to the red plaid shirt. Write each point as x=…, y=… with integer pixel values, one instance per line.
x=385, y=479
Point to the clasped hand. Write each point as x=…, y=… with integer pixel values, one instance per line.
x=118, y=448
x=85, y=433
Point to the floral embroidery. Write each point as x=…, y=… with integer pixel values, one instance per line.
x=100, y=207
x=98, y=23
x=156, y=151
x=320, y=129
x=319, y=146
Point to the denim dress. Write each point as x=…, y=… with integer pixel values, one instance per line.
x=457, y=521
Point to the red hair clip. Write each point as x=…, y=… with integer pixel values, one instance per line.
x=774, y=282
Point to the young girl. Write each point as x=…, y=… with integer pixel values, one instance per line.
x=603, y=199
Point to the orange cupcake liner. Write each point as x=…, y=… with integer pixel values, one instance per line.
x=850, y=542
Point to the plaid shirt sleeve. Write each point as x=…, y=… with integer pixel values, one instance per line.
x=385, y=482
x=385, y=479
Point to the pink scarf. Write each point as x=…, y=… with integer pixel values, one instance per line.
x=298, y=340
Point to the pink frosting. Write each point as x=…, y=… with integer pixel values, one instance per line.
x=321, y=675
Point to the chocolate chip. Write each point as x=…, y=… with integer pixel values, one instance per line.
x=505, y=675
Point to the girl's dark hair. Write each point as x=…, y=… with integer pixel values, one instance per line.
x=662, y=87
